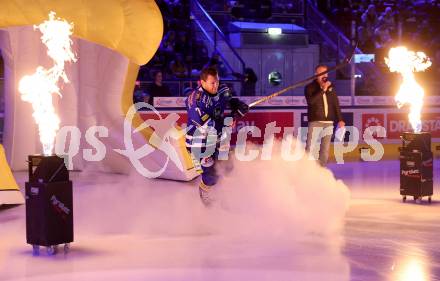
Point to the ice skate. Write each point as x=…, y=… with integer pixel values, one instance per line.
x=206, y=195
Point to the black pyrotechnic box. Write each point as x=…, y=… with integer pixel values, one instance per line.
x=49, y=204
x=416, y=166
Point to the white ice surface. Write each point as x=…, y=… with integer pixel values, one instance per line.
x=158, y=230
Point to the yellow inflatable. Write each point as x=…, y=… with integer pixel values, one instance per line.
x=131, y=28
x=9, y=191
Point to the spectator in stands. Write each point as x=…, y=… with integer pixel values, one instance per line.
x=139, y=94
x=370, y=20
x=157, y=89
x=216, y=62
x=176, y=40
x=382, y=42
x=249, y=79
x=366, y=43
x=382, y=37
x=178, y=68
x=387, y=19
x=418, y=21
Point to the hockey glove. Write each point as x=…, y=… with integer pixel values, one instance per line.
x=238, y=108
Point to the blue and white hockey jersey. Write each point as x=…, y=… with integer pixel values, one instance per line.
x=206, y=115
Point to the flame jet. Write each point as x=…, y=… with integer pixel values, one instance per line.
x=39, y=87
x=406, y=62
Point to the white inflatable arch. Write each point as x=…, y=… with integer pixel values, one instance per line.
x=111, y=39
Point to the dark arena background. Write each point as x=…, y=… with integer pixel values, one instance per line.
x=99, y=211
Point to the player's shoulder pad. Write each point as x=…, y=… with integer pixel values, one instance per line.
x=194, y=96
x=198, y=93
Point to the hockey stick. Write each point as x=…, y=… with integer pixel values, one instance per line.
x=346, y=61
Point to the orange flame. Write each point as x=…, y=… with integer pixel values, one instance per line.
x=39, y=87
x=407, y=62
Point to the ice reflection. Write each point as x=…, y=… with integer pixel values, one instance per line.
x=412, y=266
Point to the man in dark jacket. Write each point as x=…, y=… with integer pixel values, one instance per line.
x=322, y=110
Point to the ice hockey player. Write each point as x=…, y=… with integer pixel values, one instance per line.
x=206, y=107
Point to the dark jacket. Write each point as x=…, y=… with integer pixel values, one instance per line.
x=315, y=104
x=159, y=91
